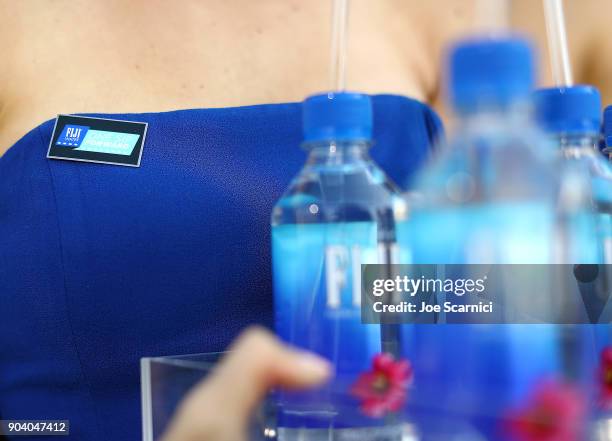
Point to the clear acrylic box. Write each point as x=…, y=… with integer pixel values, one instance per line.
x=165, y=381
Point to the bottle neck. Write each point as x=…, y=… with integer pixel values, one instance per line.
x=509, y=113
x=337, y=152
x=575, y=145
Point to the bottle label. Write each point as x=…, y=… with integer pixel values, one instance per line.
x=342, y=262
x=317, y=290
x=101, y=140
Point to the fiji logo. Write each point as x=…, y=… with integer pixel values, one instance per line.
x=72, y=135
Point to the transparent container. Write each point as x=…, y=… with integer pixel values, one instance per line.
x=581, y=157
x=572, y=117
x=580, y=151
x=338, y=213
x=326, y=225
x=166, y=381
x=491, y=197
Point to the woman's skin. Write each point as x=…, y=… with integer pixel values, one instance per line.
x=109, y=56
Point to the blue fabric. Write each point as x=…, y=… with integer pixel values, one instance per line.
x=101, y=265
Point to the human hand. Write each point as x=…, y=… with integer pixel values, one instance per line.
x=219, y=407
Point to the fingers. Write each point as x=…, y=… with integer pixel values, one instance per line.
x=220, y=407
x=257, y=362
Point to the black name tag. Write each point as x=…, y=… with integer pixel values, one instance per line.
x=105, y=141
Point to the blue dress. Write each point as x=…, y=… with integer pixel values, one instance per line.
x=101, y=265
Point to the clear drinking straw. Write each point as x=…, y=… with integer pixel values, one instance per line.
x=389, y=333
x=339, y=45
x=557, y=43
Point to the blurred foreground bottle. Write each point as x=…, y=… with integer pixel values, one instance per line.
x=323, y=228
x=488, y=198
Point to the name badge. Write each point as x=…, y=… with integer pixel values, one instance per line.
x=100, y=140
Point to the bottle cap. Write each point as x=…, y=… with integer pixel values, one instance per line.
x=490, y=72
x=575, y=109
x=337, y=116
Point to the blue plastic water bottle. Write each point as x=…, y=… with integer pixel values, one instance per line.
x=488, y=198
x=603, y=201
x=572, y=118
x=602, y=191
x=323, y=228
x=607, y=133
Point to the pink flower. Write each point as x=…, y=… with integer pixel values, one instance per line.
x=384, y=388
x=605, y=376
x=554, y=412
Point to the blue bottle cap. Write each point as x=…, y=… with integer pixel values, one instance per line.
x=337, y=116
x=490, y=72
x=608, y=126
x=575, y=109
